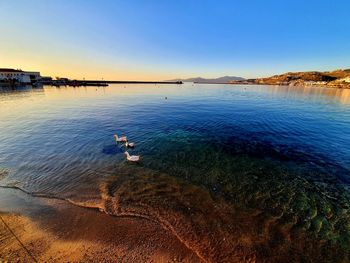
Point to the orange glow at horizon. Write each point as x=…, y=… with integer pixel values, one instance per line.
x=63, y=61
x=79, y=70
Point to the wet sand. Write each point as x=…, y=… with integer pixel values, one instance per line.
x=56, y=231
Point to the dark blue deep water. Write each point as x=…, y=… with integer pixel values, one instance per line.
x=281, y=155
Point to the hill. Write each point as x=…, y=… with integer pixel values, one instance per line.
x=338, y=78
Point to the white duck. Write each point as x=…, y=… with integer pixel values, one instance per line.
x=132, y=158
x=129, y=144
x=120, y=139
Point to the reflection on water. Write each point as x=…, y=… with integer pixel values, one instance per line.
x=341, y=96
x=332, y=94
x=235, y=172
x=19, y=87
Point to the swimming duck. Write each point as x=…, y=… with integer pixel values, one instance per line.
x=120, y=139
x=129, y=144
x=132, y=158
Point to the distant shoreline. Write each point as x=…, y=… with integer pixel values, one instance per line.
x=128, y=82
x=334, y=79
x=338, y=86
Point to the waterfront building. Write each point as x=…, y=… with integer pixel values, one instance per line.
x=19, y=76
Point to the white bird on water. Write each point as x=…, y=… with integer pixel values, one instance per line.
x=129, y=144
x=132, y=158
x=120, y=139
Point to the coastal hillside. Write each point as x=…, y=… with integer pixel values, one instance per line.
x=225, y=79
x=337, y=78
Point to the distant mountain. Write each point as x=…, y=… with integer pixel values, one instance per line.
x=225, y=79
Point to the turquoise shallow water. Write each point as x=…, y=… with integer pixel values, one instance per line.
x=280, y=154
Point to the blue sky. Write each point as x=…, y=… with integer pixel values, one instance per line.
x=173, y=39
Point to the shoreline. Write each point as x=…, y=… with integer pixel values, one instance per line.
x=55, y=230
x=279, y=85
x=141, y=215
x=333, y=79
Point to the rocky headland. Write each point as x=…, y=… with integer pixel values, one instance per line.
x=337, y=79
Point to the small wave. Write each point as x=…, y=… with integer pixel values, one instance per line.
x=217, y=231
x=34, y=194
x=4, y=173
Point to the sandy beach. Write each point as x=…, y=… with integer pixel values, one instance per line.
x=56, y=231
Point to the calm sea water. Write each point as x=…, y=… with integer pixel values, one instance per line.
x=282, y=153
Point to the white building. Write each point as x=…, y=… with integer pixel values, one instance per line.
x=346, y=79
x=17, y=75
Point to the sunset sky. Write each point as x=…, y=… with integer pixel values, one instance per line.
x=158, y=40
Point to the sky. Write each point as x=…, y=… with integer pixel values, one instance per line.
x=159, y=40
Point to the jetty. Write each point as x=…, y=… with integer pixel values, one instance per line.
x=106, y=82
x=100, y=83
x=16, y=77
